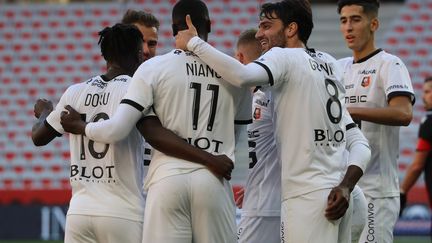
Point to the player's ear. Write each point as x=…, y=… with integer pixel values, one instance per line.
x=291, y=30
x=374, y=24
x=240, y=56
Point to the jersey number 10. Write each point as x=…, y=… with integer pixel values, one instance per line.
x=93, y=153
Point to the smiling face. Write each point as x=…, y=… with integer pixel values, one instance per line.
x=358, y=28
x=271, y=33
x=150, y=40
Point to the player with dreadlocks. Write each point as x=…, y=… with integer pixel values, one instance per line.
x=106, y=179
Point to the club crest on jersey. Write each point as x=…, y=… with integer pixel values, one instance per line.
x=257, y=113
x=366, y=81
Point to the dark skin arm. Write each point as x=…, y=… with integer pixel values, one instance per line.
x=163, y=140
x=339, y=197
x=398, y=112
x=171, y=144
x=41, y=134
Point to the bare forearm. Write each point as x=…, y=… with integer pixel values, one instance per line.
x=39, y=131
x=410, y=179
x=414, y=170
x=391, y=116
x=352, y=176
x=169, y=143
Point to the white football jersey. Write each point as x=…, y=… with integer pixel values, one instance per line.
x=191, y=100
x=263, y=186
x=106, y=179
x=309, y=106
x=372, y=82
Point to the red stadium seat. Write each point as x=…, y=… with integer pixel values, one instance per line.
x=418, y=28
x=28, y=156
x=8, y=36
x=19, y=25
x=54, y=24
x=407, y=17
x=60, y=35
x=97, y=12
x=414, y=6
x=44, y=13
x=399, y=29
x=36, y=24
x=71, y=24
x=422, y=52
x=26, y=36
x=26, y=13
x=34, y=47
x=10, y=14
x=392, y=41
x=78, y=13
x=62, y=13
x=25, y=58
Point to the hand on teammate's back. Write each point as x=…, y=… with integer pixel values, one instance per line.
x=184, y=36
x=72, y=122
x=337, y=203
x=221, y=166
x=42, y=105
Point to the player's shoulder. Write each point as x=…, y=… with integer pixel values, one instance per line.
x=345, y=61
x=388, y=57
x=82, y=85
x=324, y=56
x=164, y=61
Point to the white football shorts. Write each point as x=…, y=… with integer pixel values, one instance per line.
x=95, y=229
x=191, y=207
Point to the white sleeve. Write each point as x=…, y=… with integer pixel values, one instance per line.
x=228, y=67
x=357, y=145
x=396, y=79
x=140, y=90
x=115, y=128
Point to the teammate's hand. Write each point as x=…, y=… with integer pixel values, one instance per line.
x=184, y=36
x=403, y=201
x=42, y=105
x=71, y=121
x=240, y=196
x=337, y=203
x=221, y=166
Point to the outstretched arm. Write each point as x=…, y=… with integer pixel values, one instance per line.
x=42, y=133
x=229, y=68
x=170, y=144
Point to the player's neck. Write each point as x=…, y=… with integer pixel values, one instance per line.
x=365, y=51
x=114, y=71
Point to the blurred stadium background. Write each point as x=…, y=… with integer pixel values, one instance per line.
x=47, y=45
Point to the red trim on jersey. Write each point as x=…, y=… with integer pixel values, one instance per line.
x=423, y=145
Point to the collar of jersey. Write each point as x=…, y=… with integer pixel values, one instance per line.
x=368, y=56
